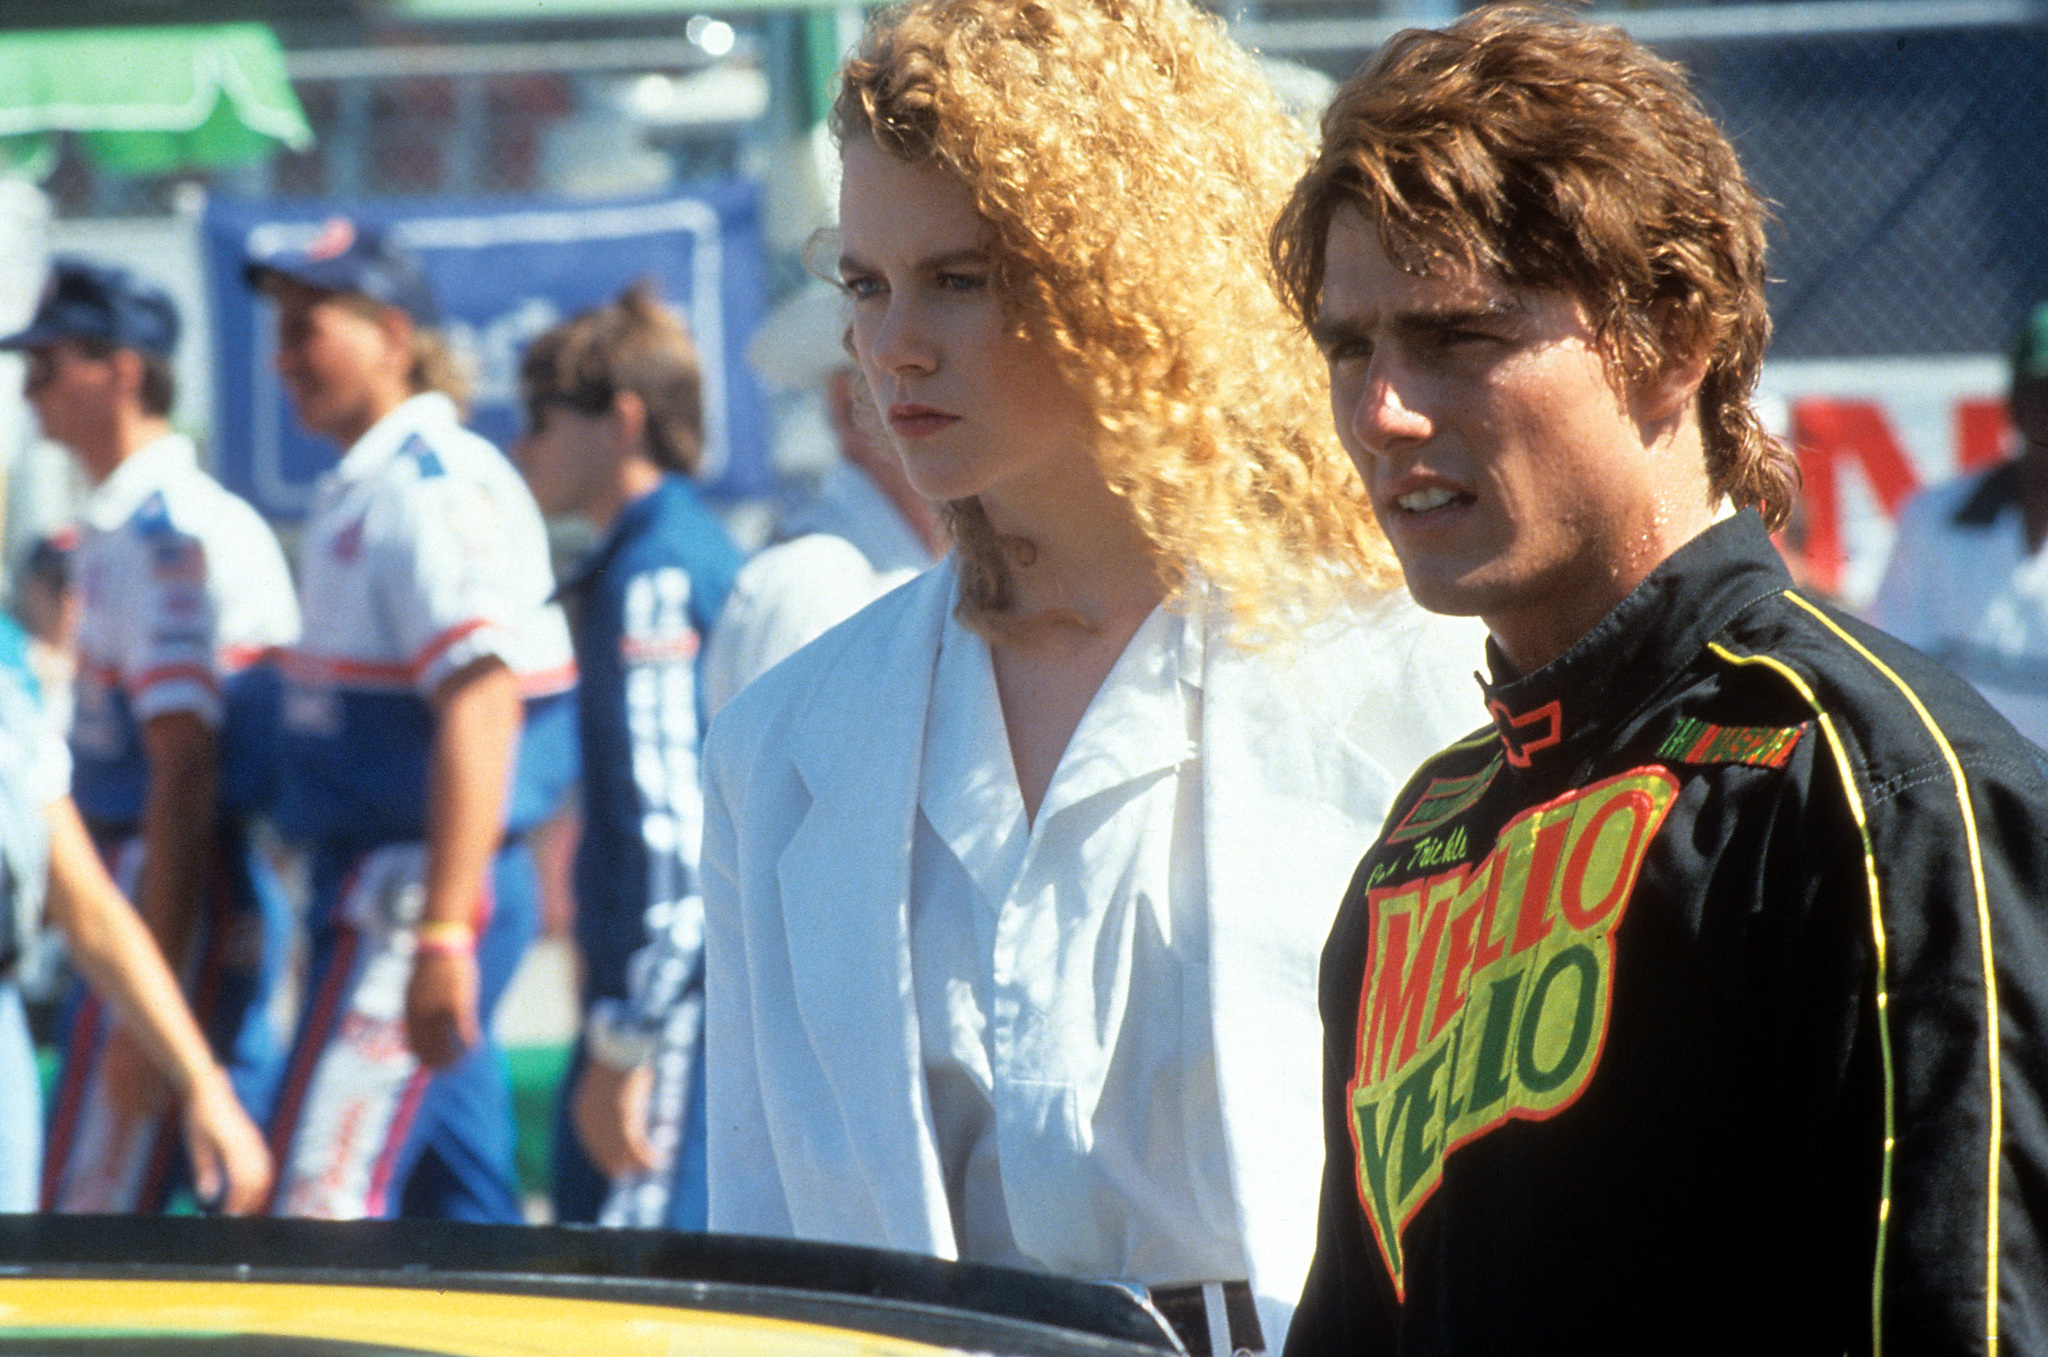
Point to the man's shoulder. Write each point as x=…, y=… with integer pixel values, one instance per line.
x=679, y=533
x=1970, y=502
x=1900, y=712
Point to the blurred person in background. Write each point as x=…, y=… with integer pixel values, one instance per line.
x=865, y=531
x=614, y=432
x=1966, y=581
x=47, y=859
x=46, y=603
x=427, y=725
x=183, y=592
x=1015, y=882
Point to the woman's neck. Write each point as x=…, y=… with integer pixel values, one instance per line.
x=1074, y=552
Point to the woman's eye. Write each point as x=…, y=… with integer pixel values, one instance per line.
x=961, y=282
x=859, y=288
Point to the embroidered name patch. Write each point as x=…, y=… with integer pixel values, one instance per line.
x=1695, y=741
x=1444, y=800
x=1487, y=994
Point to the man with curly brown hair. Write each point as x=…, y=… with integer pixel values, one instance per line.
x=1694, y=1004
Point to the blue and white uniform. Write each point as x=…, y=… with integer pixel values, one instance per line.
x=185, y=596
x=424, y=553
x=642, y=602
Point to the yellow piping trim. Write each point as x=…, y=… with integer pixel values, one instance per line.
x=1884, y=1031
x=1487, y=736
x=1991, y=1043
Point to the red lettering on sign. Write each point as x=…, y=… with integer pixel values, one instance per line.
x=1826, y=433
x=1981, y=427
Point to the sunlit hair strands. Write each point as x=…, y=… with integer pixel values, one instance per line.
x=1552, y=153
x=1127, y=158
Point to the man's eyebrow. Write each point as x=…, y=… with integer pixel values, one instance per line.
x=1452, y=316
x=945, y=259
x=1328, y=331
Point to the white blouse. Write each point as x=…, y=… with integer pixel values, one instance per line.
x=1060, y=974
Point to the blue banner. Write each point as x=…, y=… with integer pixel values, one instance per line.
x=502, y=273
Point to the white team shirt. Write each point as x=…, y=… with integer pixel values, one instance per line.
x=182, y=582
x=423, y=553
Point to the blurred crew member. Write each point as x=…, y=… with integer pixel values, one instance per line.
x=427, y=725
x=1967, y=582
x=865, y=531
x=46, y=604
x=183, y=591
x=614, y=429
x=1694, y=1003
x=42, y=841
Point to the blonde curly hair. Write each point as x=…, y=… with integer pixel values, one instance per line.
x=1128, y=160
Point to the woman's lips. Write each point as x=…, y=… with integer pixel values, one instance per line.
x=919, y=421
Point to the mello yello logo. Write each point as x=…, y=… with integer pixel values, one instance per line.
x=1488, y=990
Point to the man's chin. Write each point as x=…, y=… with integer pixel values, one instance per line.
x=1438, y=593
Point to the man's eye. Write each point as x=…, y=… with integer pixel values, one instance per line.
x=863, y=287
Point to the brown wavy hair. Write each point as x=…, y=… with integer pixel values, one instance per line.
x=631, y=343
x=1553, y=153
x=1127, y=159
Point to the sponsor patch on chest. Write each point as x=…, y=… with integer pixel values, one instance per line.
x=1486, y=995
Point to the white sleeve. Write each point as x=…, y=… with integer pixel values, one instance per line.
x=169, y=625
x=743, y=1180
x=450, y=575
x=1903, y=605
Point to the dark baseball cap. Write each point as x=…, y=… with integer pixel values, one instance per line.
x=84, y=300
x=351, y=256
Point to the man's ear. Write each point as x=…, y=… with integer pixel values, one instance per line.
x=1675, y=386
x=1671, y=392
x=631, y=413
x=127, y=368
x=397, y=328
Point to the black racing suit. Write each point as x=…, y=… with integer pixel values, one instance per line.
x=1697, y=1005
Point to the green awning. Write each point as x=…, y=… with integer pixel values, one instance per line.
x=148, y=100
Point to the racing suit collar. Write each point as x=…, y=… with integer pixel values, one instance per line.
x=1628, y=656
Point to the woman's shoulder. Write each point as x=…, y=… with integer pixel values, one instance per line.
x=1396, y=678
x=1362, y=634
x=840, y=667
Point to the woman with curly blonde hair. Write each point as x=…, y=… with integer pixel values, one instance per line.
x=1015, y=882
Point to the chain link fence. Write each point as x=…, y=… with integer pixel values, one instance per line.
x=1905, y=166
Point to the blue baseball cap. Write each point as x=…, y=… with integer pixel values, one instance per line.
x=350, y=256
x=89, y=301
